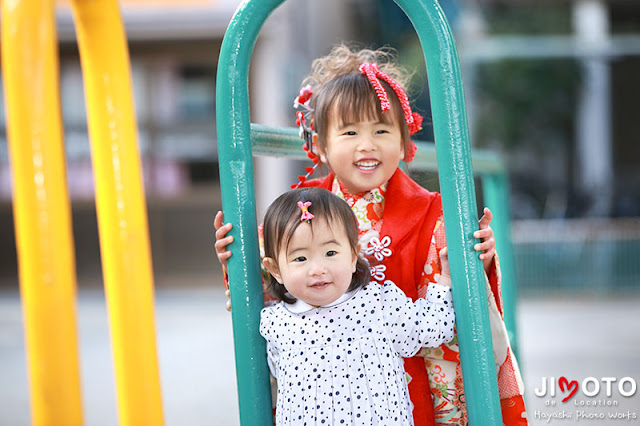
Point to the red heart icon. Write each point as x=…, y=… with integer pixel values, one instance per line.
x=571, y=386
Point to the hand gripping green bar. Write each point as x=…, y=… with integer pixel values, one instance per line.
x=458, y=196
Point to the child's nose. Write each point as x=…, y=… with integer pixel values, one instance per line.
x=317, y=267
x=366, y=143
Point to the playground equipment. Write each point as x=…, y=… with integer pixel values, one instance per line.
x=43, y=224
x=458, y=196
x=42, y=212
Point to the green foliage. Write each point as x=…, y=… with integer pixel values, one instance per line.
x=528, y=102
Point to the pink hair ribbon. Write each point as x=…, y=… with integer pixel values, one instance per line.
x=372, y=72
x=306, y=214
x=413, y=119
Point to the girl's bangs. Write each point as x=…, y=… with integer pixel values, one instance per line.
x=357, y=101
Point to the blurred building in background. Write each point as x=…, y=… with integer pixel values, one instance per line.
x=550, y=84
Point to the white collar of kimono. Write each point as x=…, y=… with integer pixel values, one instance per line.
x=300, y=307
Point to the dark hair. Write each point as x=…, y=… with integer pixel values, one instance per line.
x=283, y=218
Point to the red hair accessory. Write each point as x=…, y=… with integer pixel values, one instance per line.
x=306, y=214
x=413, y=119
x=303, y=101
x=304, y=96
x=409, y=156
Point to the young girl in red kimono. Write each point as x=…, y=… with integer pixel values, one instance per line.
x=356, y=119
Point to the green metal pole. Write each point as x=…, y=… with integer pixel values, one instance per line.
x=238, y=200
x=459, y=205
x=495, y=187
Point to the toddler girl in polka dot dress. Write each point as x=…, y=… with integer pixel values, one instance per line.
x=335, y=344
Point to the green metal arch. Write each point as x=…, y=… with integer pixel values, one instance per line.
x=458, y=195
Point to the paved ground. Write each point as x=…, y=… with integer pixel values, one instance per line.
x=576, y=338
x=581, y=338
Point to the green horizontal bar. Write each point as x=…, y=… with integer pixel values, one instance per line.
x=274, y=141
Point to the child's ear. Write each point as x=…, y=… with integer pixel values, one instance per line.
x=272, y=267
x=323, y=158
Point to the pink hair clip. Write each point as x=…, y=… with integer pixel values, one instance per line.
x=306, y=214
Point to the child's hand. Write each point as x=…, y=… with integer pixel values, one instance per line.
x=222, y=241
x=487, y=246
x=445, y=272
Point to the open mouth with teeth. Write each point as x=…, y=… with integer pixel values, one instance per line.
x=320, y=285
x=367, y=165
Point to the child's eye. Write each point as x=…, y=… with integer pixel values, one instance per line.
x=331, y=253
x=350, y=133
x=381, y=132
x=300, y=259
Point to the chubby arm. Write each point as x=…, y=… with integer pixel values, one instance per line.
x=426, y=322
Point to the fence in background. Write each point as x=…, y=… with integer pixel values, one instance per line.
x=577, y=255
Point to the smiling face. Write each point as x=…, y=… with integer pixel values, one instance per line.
x=363, y=154
x=317, y=265
x=361, y=144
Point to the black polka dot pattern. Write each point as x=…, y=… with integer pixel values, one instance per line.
x=343, y=364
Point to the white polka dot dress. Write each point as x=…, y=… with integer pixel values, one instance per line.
x=342, y=364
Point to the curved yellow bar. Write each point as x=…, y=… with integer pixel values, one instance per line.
x=42, y=213
x=121, y=209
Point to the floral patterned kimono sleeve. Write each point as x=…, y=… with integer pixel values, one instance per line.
x=443, y=363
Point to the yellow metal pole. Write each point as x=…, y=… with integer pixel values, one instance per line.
x=42, y=214
x=121, y=210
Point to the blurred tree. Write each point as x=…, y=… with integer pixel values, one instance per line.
x=529, y=102
x=528, y=106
